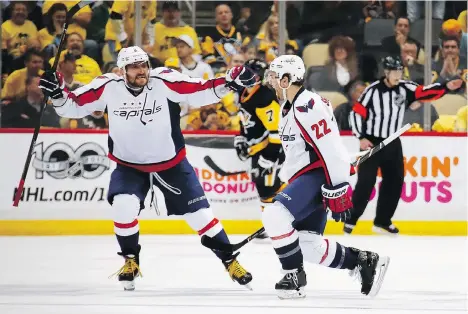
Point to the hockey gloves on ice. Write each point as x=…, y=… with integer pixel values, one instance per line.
x=338, y=200
x=240, y=77
x=52, y=84
x=242, y=148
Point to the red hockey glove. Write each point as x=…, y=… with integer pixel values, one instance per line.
x=337, y=199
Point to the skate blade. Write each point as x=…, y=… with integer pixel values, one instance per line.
x=247, y=287
x=381, y=231
x=291, y=294
x=382, y=266
x=128, y=285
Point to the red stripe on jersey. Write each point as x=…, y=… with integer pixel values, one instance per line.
x=317, y=151
x=210, y=225
x=360, y=110
x=182, y=87
x=126, y=226
x=283, y=235
x=87, y=97
x=325, y=255
x=315, y=165
x=429, y=94
x=153, y=167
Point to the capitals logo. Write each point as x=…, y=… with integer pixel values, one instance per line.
x=305, y=108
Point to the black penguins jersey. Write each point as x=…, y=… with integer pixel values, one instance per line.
x=219, y=45
x=259, y=117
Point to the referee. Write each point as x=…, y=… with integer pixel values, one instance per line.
x=376, y=115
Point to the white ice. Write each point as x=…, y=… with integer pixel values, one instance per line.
x=69, y=275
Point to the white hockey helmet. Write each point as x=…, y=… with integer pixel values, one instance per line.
x=290, y=65
x=130, y=55
x=133, y=54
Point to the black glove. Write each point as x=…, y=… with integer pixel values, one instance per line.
x=242, y=149
x=51, y=84
x=240, y=77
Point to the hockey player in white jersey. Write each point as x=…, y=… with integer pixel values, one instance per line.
x=317, y=168
x=146, y=142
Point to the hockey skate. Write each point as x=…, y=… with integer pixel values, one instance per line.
x=237, y=272
x=386, y=230
x=129, y=271
x=292, y=285
x=370, y=271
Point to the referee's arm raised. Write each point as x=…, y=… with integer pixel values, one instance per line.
x=416, y=92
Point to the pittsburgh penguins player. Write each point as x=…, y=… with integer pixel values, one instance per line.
x=259, y=139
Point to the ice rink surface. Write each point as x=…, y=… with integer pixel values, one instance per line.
x=69, y=275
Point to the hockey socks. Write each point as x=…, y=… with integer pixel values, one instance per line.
x=204, y=223
x=318, y=250
x=129, y=244
x=290, y=255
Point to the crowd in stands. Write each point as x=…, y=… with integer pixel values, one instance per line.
x=341, y=43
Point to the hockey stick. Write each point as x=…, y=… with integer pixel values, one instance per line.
x=226, y=247
x=213, y=244
x=218, y=170
x=377, y=148
x=70, y=14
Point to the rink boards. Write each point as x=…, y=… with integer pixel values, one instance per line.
x=65, y=191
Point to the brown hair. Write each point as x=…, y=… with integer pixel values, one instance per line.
x=351, y=59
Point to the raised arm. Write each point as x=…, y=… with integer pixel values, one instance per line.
x=79, y=103
x=198, y=92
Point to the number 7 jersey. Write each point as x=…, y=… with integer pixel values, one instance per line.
x=311, y=139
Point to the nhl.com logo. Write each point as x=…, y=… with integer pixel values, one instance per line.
x=60, y=161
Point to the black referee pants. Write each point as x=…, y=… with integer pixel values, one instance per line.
x=390, y=162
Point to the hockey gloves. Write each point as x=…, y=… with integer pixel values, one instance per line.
x=242, y=148
x=240, y=77
x=337, y=199
x=52, y=84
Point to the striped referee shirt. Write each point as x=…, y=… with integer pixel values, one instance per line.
x=380, y=109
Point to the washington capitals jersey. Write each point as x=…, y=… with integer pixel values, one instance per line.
x=259, y=118
x=311, y=139
x=144, y=129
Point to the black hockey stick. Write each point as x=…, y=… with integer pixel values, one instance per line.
x=70, y=14
x=218, y=170
x=226, y=247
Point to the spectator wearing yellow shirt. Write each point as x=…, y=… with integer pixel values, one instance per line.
x=120, y=26
x=18, y=34
x=49, y=36
x=86, y=68
x=80, y=21
x=14, y=85
x=171, y=27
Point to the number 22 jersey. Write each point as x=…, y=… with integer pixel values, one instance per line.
x=311, y=139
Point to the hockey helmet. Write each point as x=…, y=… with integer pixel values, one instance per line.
x=392, y=63
x=290, y=65
x=129, y=55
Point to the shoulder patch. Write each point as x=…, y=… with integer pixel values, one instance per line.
x=101, y=77
x=166, y=71
x=305, y=108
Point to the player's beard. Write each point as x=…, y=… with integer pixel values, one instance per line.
x=138, y=82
